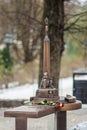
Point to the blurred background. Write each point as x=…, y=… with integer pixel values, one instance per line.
x=20, y=40
x=21, y=51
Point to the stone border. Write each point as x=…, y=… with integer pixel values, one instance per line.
x=11, y=103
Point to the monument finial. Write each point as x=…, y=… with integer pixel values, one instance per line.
x=46, y=26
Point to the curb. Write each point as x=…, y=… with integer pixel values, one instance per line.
x=11, y=103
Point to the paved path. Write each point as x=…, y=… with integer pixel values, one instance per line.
x=77, y=118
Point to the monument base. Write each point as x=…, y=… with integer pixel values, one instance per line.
x=46, y=94
x=36, y=99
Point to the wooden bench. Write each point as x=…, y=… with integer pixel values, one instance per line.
x=36, y=111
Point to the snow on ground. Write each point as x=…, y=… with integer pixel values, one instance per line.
x=28, y=90
x=80, y=126
x=21, y=92
x=65, y=86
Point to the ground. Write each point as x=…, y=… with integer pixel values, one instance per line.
x=68, y=65
x=74, y=118
x=28, y=73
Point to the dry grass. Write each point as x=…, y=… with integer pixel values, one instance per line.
x=25, y=73
x=28, y=73
x=69, y=65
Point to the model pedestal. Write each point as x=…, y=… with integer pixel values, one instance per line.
x=46, y=94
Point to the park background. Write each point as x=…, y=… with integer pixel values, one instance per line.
x=21, y=40
x=22, y=37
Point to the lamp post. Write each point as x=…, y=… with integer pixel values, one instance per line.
x=8, y=40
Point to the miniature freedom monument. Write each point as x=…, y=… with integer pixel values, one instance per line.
x=47, y=90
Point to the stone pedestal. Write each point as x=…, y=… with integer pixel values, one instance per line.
x=46, y=94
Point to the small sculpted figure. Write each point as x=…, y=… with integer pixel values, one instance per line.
x=46, y=81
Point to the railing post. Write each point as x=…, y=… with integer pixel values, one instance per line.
x=60, y=120
x=21, y=123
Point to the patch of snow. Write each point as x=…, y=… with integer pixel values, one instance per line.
x=65, y=86
x=22, y=92
x=28, y=90
x=80, y=126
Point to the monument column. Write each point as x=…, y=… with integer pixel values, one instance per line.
x=46, y=51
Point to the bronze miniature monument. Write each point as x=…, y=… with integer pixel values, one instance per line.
x=47, y=90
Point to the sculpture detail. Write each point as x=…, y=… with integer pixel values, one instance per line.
x=46, y=81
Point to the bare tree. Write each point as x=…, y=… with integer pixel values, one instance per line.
x=23, y=16
x=59, y=18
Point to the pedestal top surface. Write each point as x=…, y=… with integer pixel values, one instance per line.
x=36, y=111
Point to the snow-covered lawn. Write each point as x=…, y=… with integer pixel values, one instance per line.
x=21, y=92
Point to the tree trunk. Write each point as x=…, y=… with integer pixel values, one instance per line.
x=54, y=11
x=25, y=10
x=27, y=51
